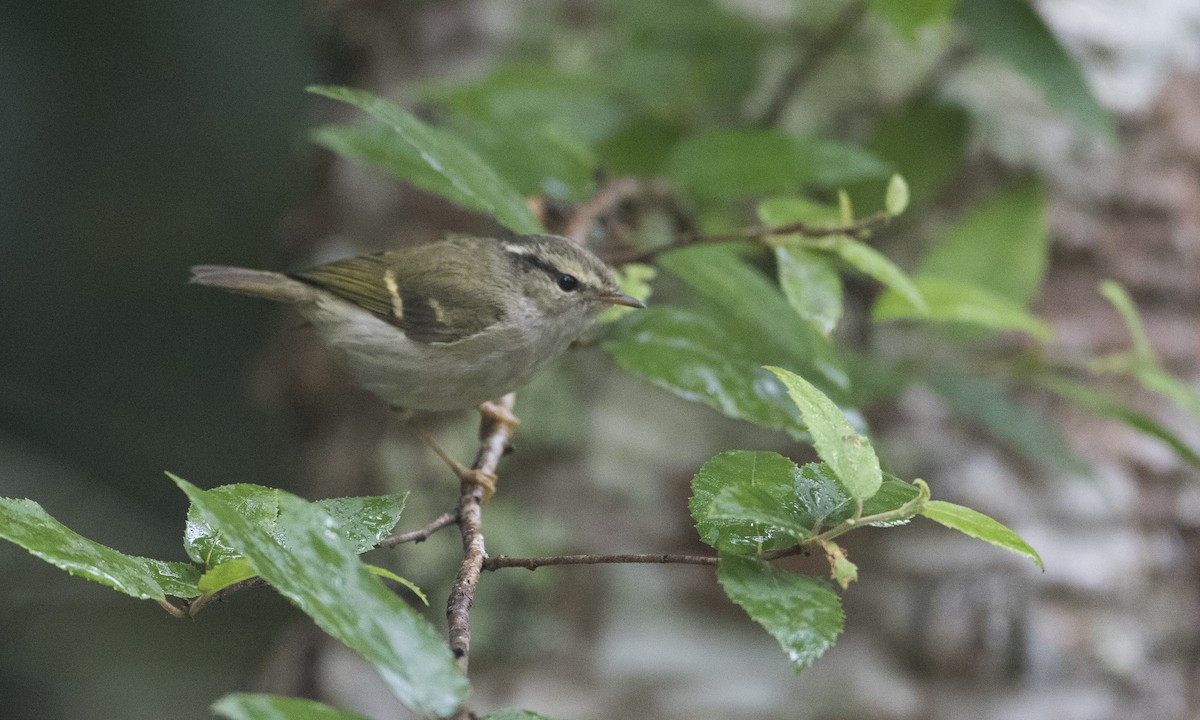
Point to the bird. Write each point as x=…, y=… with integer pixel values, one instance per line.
x=446, y=325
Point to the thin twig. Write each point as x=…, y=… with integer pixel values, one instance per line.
x=422, y=534
x=195, y=606
x=856, y=229
x=603, y=203
x=503, y=561
x=807, y=64
x=496, y=429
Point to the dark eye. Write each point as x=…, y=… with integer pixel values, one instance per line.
x=568, y=283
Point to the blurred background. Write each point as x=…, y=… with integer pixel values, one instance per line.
x=139, y=138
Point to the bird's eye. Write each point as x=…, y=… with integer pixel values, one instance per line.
x=568, y=283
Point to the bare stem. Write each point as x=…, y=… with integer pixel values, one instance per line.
x=502, y=561
x=496, y=429
x=421, y=534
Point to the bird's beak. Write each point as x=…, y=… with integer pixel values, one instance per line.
x=616, y=298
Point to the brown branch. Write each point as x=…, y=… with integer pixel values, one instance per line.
x=603, y=203
x=503, y=561
x=809, y=62
x=496, y=429
x=421, y=534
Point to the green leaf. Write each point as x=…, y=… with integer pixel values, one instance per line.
x=987, y=401
x=248, y=706
x=25, y=523
x=760, y=515
x=227, y=573
x=697, y=358
x=777, y=212
x=824, y=499
x=910, y=15
x=537, y=96
x=634, y=280
x=957, y=302
x=428, y=157
x=317, y=568
x=362, y=520
x=977, y=525
x=385, y=573
x=870, y=261
x=1013, y=30
x=732, y=164
x=924, y=141
x=533, y=159
x=804, y=614
x=1117, y=295
x=513, y=714
x=811, y=284
x=1103, y=404
x=847, y=453
x=1002, y=247
x=750, y=305
x=895, y=200
x=640, y=148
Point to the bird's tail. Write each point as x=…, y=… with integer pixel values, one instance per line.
x=259, y=283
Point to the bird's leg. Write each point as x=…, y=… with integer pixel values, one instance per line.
x=494, y=413
x=484, y=479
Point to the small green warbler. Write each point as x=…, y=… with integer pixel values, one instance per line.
x=446, y=325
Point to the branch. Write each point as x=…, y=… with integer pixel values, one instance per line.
x=503, y=561
x=422, y=534
x=807, y=64
x=496, y=429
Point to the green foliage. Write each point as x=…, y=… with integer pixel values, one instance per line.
x=429, y=158
x=847, y=453
x=813, y=288
x=1013, y=30
x=978, y=525
x=924, y=141
x=910, y=15
x=308, y=562
x=248, y=706
x=804, y=614
x=1002, y=246
x=953, y=301
x=513, y=714
x=25, y=523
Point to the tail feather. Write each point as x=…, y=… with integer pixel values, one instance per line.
x=259, y=283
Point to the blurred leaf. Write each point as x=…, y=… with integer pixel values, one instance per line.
x=634, y=280
x=841, y=570
x=1117, y=295
x=870, y=261
x=640, y=148
x=428, y=157
x=689, y=61
x=758, y=517
x=749, y=304
x=513, y=714
x=1105, y=405
x=364, y=521
x=958, y=302
x=536, y=160
x=693, y=356
x=910, y=15
x=1177, y=391
x=1002, y=246
x=528, y=95
x=977, y=525
x=247, y=706
x=25, y=523
x=317, y=568
x=221, y=576
x=987, y=401
x=847, y=453
x=896, y=199
x=811, y=284
x=777, y=212
x=804, y=614
x=385, y=573
x=732, y=164
x=924, y=141
x=1013, y=30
